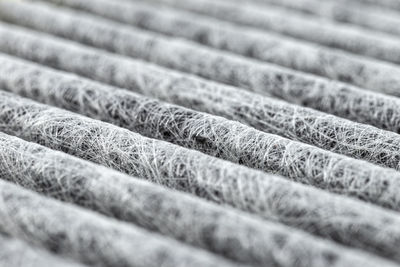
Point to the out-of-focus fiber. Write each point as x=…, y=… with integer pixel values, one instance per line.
x=199, y=133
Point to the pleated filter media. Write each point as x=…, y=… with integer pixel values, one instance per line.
x=200, y=133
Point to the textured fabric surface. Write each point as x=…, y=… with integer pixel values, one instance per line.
x=199, y=133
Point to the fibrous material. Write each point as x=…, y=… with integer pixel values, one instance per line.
x=358, y=141
x=89, y=237
x=265, y=46
x=210, y=134
x=257, y=133
x=267, y=196
x=336, y=35
x=386, y=4
x=14, y=252
x=171, y=213
x=371, y=74
x=328, y=96
x=371, y=17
